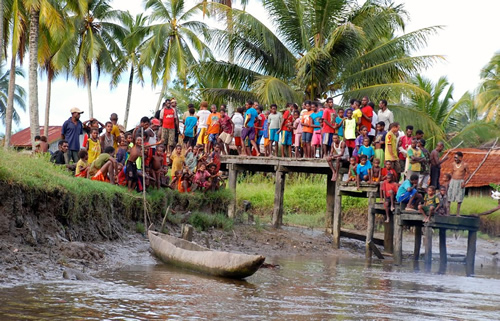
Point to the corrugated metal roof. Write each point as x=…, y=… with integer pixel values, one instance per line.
x=489, y=171
x=23, y=138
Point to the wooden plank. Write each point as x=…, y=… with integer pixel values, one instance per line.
x=471, y=253
x=278, y=199
x=375, y=250
x=370, y=226
x=354, y=194
x=232, y=179
x=363, y=188
x=398, y=238
x=337, y=214
x=465, y=221
x=428, y=246
x=330, y=201
x=442, y=247
x=389, y=234
x=356, y=235
x=418, y=243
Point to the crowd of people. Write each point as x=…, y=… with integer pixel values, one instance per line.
x=188, y=146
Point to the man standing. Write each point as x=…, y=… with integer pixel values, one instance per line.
x=366, y=118
x=384, y=114
x=286, y=131
x=459, y=175
x=328, y=126
x=436, y=164
x=168, y=120
x=116, y=130
x=404, y=143
x=71, y=131
x=248, y=127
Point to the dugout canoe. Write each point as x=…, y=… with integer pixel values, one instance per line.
x=185, y=254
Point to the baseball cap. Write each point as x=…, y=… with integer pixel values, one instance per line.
x=76, y=110
x=155, y=122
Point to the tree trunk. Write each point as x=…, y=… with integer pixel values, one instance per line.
x=47, y=104
x=33, y=75
x=89, y=94
x=162, y=94
x=10, y=102
x=129, y=96
x=1, y=30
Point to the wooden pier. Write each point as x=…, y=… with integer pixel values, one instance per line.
x=393, y=231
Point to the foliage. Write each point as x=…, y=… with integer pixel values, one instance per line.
x=19, y=96
x=489, y=90
x=203, y=221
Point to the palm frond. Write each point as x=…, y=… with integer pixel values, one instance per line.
x=271, y=90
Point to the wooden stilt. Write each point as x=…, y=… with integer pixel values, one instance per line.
x=233, y=177
x=278, y=199
x=370, y=226
x=330, y=202
x=398, y=237
x=443, y=259
x=418, y=243
x=471, y=253
x=389, y=235
x=428, y=246
x=337, y=213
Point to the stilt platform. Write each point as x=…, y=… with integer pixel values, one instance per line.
x=442, y=224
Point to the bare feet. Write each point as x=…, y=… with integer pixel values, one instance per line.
x=393, y=208
x=387, y=220
x=334, y=177
x=411, y=209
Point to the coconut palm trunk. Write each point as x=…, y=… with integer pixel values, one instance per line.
x=1, y=28
x=89, y=94
x=129, y=96
x=10, y=102
x=50, y=76
x=33, y=75
x=162, y=94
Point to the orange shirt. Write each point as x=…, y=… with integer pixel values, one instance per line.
x=307, y=120
x=213, y=123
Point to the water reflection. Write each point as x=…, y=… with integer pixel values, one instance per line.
x=303, y=288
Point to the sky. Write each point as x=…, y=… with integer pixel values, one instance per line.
x=468, y=41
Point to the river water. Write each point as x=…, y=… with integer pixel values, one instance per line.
x=302, y=288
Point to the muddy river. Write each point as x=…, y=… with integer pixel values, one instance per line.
x=301, y=288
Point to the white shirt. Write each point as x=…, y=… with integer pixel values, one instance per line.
x=386, y=116
x=238, y=124
x=203, y=117
x=374, y=125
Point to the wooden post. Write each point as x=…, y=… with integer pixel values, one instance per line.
x=233, y=175
x=389, y=234
x=337, y=213
x=428, y=246
x=278, y=198
x=398, y=237
x=370, y=226
x=330, y=202
x=443, y=259
x=471, y=253
x=418, y=243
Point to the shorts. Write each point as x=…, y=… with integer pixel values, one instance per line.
x=267, y=141
x=190, y=141
x=273, y=135
x=131, y=171
x=455, y=191
x=286, y=138
x=307, y=137
x=350, y=143
x=406, y=196
x=248, y=132
x=327, y=139
x=202, y=137
x=316, y=139
x=297, y=140
x=388, y=199
x=426, y=209
x=213, y=138
x=168, y=135
x=226, y=138
x=238, y=142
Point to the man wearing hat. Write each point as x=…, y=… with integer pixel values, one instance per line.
x=71, y=131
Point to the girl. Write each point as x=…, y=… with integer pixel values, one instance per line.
x=363, y=133
x=366, y=149
x=349, y=125
x=93, y=145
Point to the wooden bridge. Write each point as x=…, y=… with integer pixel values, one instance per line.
x=393, y=231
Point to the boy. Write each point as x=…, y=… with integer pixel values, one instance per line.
x=317, y=123
x=352, y=169
x=297, y=130
x=286, y=130
x=380, y=134
x=43, y=146
x=159, y=166
x=274, y=121
x=349, y=125
x=423, y=181
x=122, y=153
x=103, y=168
x=82, y=165
x=203, y=114
x=442, y=208
x=227, y=126
x=339, y=127
x=391, y=147
x=307, y=130
x=407, y=193
x=249, y=127
x=413, y=159
x=376, y=171
x=215, y=157
x=177, y=160
x=107, y=139
x=265, y=135
x=366, y=149
x=328, y=126
x=363, y=170
x=388, y=191
x=388, y=169
x=357, y=113
x=380, y=154
x=213, y=127
x=191, y=158
x=93, y=145
x=431, y=201
x=131, y=166
x=339, y=153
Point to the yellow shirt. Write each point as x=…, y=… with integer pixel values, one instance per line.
x=357, y=114
x=177, y=162
x=115, y=132
x=416, y=167
x=94, y=150
x=79, y=164
x=391, y=142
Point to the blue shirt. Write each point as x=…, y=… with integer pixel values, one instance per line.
x=403, y=188
x=253, y=114
x=265, y=129
x=189, y=126
x=368, y=151
x=315, y=117
x=72, y=133
x=362, y=170
x=340, y=130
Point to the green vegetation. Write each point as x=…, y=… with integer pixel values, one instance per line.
x=203, y=221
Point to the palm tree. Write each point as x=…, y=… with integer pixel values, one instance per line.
x=174, y=44
x=19, y=95
x=321, y=47
x=94, y=41
x=132, y=42
x=489, y=92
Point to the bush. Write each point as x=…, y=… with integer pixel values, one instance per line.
x=203, y=221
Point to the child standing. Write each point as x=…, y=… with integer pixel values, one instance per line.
x=379, y=153
x=107, y=139
x=376, y=171
x=93, y=145
x=339, y=123
x=297, y=129
x=274, y=122
x=177, y=159
x=442, y=208
x=366, y=149
x=353, y=165
x=349, y=125
x=190, y=128
x=388, y=191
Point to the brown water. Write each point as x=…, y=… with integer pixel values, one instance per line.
x=301, y=289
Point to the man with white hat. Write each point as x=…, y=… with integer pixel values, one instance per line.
x=71, y=131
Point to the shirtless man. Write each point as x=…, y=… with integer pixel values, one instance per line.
x=135, y=153
x=460, y=174
x=158, y=166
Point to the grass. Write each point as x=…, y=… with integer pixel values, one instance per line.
x=203, y=221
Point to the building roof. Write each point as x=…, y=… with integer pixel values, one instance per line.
x=23, y=138
x=488, y=173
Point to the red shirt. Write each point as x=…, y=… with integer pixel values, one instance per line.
x=307, y=120
x=405, y=142
x=259, y=121
x=227, y=126
x=368, y=112
x=168, y=118
x=386, y=187
x=329, y=115
x=288, y=118
x=392, y=170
